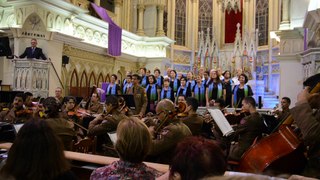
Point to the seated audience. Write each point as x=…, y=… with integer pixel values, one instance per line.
x=36, y=154
x=196, y=158
x=133, y=143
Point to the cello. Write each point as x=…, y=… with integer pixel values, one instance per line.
x=280, y=150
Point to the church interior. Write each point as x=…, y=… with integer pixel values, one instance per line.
x=274, y=42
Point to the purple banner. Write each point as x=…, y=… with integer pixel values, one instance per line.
x=115, y=32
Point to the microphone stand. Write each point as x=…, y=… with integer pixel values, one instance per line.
x=56, y=73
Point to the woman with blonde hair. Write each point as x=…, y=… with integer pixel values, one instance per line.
x=133, y=143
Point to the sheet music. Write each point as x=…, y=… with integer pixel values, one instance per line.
x=113, y=137
x=221, y=121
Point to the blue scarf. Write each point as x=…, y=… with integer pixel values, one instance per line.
x=113, y=90
x=159, y=81
x=125, y=87
x=219, y=93
x=153, y=92
x=144, y=81
x=191, y=83
x=184, y=92
x=168, y=94
x=202, y=92
x=246, y=92
x=175, y=85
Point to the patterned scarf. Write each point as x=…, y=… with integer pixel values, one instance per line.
x=199, y=95
x=168, y=93
x=113, y=90
x=219, y=93
x=246, y=92
x=153, y=92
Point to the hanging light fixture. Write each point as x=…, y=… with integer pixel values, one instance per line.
x=229, y=5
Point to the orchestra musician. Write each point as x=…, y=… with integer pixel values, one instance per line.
x=58, y=96
x=17, y=114
x=306, y=114
x=71, y=110
x=285, y=103
x=248, y=130
x=94, y=106
x=193, y=120
x=61, y=126
x=168, y=134
x=106, y=122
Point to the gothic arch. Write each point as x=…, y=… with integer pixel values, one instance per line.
x=107, y=78
x=84, y=85
x=92, y=80
x=74, y=83
x=100, y=80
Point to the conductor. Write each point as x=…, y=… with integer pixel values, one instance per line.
x=33, y=51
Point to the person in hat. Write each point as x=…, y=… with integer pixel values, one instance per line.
x=306, y=114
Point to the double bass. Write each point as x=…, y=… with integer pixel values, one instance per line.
x=282, y=149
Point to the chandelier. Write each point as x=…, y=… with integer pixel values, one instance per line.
x=229, y=5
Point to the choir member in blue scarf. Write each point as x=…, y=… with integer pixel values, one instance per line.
x=159, y=78
x=190, y=81
x=153, y=94
x=214, y=88
x=228, y=83
x=205, y=79
x=183, y=89
x=127, y=88
x=125, y=80
x=167, y=91
x=175, y=82
x=241, y=91
x=144, y=78
x=113, y=88
x=199, y=91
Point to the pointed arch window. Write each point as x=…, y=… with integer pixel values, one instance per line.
x=262, y=13
x=180, y=22
x=205, y=16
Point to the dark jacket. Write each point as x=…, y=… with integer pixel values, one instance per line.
x=36, y=54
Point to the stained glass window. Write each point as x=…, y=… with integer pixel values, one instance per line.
x=262, y=13
x=180, y=22
x=205, y=16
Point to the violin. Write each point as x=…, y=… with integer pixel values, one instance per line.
x=23, y=112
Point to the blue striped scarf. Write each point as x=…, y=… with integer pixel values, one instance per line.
x=159, y=81
x=202, y=92
x=175, y=85
x=168, y=93
x=153, y=92
x=113, y=90
x=184, y=92
x=219, y=93
x=235, y=98
x=125, y=87
x=191, y=83
x=144, y=81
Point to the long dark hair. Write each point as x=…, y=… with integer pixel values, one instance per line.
x=36, y=154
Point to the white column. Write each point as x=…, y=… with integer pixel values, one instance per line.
x=140, y=30
x=160, y=31
x=285, y=21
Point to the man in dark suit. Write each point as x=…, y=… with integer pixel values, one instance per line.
x=33, y=51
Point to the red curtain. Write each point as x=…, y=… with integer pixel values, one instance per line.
x=231, y=21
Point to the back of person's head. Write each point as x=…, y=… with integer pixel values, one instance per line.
x=196, y=158
x=51, y=107
x=250, y=100
x=166, y=105
x=36, y=154
x=133, y=140
x=193, y=102
x=113, y=100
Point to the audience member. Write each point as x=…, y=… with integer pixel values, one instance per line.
x=133, y=143
x=197, y=158
x=33, y=51
x=36, y=154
